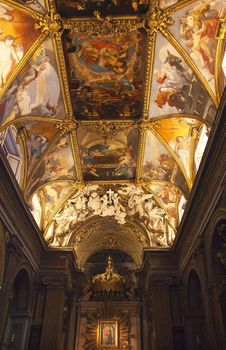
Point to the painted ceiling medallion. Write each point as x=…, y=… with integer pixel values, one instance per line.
x=106, y=108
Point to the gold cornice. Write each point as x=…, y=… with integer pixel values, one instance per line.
x=104, y=26
x=108, y=182
x=173, y=41
x=22, y=62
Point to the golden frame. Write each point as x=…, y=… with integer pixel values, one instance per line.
x=110, y=339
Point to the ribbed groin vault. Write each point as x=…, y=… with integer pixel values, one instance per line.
x=112, y=174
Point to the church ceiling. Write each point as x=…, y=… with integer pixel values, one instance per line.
x=105, y=111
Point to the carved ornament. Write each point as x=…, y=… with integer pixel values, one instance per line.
x=51, y=24
x=104, y=25
x=67, y=125
x=221, y=29
x=107, y=129
x=158, y=20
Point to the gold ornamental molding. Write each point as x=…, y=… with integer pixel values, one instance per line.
x=104, y=26
x=62, y=73
x=220, y=36
x=157, y=20
x=67, y=125
x=51, y=24
x=221, y=29
x=107, y=129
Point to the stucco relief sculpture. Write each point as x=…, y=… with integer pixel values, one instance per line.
x=129, y=200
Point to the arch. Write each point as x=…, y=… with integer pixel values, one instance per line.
x=19, y=311
x=105, y=233
x=194, y=291
x=215, y=219
x=195, y=327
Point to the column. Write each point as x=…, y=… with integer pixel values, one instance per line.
x=161, y=314
x=52, y=331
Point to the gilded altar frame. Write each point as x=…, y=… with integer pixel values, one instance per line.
x=110, y=339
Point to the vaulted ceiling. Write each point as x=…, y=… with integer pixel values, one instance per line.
x=105, y=111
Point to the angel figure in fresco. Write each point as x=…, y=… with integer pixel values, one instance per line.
x=40, y=89
x=181, y=146
x=4, y=12
x=198, y=28
x=10, y=55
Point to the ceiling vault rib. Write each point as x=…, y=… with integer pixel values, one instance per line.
x=58, y=49
x=108, y=61
x=60, y=205
x=29, y=118
x=149, y=183
x=169, y=36
x=76, y=155
x=48, y=183
x=147, y=188
x=218, y=76
x=21, y=136
x=41, y=196
x=169, y=149
x=150, y=55
x=190, y=116
x=46, y=150
x=181, y=4
x=193, y=144
x=22, y=62
x=29, y=11
x=140, y=156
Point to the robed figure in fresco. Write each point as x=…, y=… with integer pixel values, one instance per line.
x=108, y=334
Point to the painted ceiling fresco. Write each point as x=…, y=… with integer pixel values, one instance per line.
x=106, y=108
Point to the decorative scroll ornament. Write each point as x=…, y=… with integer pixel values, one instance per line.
x=107, y=129
x=51, y=23
x=67, y=125
x=158, y=20
x=127, y=201
x=104, y=26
